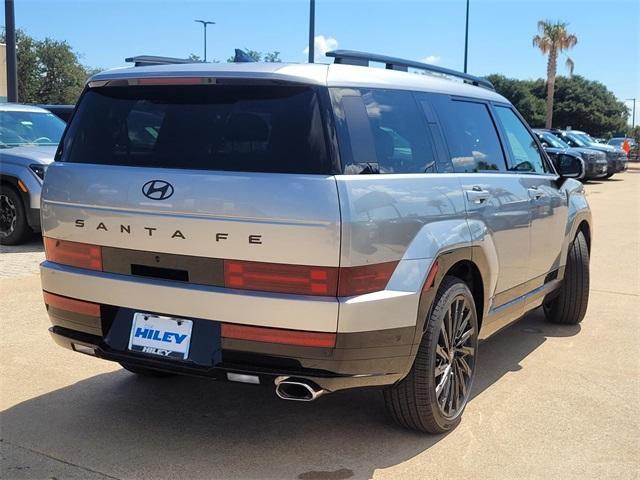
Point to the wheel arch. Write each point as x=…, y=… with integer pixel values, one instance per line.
x=585, y=229
x=465, y=264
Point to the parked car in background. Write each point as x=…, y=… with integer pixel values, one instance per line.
x=63, y=112
x=595, y=162
x=634, y=152
x=29, y=137
x=616, y=158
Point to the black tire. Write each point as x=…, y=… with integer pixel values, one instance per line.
x=14, y=228
x=414, y=401
x=609, y=175
x=146, y=372
x=569, y=306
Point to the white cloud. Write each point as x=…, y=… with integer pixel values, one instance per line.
x=431, y=59
x=322, y=45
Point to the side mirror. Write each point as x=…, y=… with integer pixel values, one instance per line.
x=569, y=166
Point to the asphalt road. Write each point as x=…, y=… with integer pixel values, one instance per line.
x=548, y=401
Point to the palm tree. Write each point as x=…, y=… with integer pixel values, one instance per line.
x=552, y=40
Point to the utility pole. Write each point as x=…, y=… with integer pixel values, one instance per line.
x=12, y=61
x=466, y=38
x=204, y=24
x=312, y=29
x=633, y=112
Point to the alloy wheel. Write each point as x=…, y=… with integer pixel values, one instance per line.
x=455, y=358
x=8, y=216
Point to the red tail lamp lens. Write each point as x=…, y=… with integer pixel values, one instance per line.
x=275, y=277
x=276, y=335
x=365, y=279
x=74, y=254
x=71, y=304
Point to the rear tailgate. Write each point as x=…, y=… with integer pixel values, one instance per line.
x=176, y=181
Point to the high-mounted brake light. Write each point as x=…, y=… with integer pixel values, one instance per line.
x=71, y=304
x=365, y=278
x=171, y=81
x=282, y=278
x=278, y=335
x=74, y=254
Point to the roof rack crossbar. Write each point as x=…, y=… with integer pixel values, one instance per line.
x=351, y=57
x=147, y=60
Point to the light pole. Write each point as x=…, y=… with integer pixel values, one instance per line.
x=466, y=38
x=12, y=64
x=312, y=29
x=204, y=24
x=633, y=112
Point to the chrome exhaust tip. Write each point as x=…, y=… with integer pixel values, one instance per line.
x=297, y=389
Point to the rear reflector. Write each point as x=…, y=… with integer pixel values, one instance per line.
x=74, y=254
x=276, y=335
x=365, y=279
x=281, y=278
x=431, y=276
x=71, y=304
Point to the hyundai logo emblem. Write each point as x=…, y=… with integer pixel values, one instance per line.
x=157, y=190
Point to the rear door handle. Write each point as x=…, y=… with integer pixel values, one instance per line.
x=477, y=195
x=535, y=193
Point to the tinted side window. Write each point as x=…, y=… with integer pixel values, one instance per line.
x=525, y=155
x=471, y=136
x=382, y=128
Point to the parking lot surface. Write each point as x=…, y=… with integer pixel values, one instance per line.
x=548, y=401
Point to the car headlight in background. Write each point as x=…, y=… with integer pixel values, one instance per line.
x=39, y=170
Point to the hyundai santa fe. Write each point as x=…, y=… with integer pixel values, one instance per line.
x=309, y=228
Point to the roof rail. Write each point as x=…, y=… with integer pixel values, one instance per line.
x=351, y=57
x=147, y=60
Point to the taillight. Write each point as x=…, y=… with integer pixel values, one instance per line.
x=74, y=254
x=277, y=335
x=365, y=278
x=282, y=278
x=71, y=304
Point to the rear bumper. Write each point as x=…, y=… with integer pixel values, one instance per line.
x=381, y=355
x=333, y=372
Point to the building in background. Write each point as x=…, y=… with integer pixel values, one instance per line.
x=3, y=73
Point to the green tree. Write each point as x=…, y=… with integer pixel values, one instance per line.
x=588, y=105
x=552, y=40
x=519, y=92
x=273, y=57
x=580, y=103
x=49, y=71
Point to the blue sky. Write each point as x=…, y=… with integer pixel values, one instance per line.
x=105, y=32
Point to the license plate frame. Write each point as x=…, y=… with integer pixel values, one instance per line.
x=161, y=336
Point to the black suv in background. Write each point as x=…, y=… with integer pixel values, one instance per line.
x=595, y=162
x=616, y=158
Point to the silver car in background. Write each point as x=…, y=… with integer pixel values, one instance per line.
x=29, y=137
x=309, y=228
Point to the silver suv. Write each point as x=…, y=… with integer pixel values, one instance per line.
x=311, y=228
x=29, y=137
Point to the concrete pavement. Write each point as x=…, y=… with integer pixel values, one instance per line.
x=548, y=401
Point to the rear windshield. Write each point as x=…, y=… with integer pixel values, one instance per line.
x=276, y=129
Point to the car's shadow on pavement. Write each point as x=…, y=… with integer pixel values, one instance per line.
x=32, y=246
x=123, y=425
